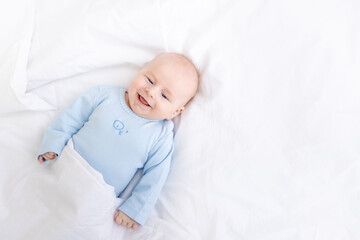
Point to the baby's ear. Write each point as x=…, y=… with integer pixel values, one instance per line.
x=177, y=112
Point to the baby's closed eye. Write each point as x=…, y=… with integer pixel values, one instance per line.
x=149, y=80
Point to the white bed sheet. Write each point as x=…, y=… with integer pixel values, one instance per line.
x=268, y=149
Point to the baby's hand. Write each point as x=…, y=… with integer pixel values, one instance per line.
x=47, y=156
x=125, y=220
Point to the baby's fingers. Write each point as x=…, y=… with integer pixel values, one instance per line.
x=124, y=222
x=41, y=159
x=117, y=218
x=134, y=227
x=49, y=156
x=131, y=224
x=127, y=223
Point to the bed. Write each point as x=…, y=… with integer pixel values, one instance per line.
x=268, y=148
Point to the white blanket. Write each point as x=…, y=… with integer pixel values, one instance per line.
x=268, y=149
x=61, y=199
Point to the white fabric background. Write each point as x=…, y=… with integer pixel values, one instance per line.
x=269, y=147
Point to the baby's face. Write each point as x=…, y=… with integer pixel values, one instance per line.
x=162, y=88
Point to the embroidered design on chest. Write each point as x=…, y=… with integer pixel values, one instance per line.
x=119, y=126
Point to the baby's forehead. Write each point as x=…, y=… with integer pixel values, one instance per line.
x=180, y=71
x=175, y=60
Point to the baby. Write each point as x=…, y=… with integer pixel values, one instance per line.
x=119, y=131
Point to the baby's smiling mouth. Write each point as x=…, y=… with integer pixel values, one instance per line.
x=143, y=101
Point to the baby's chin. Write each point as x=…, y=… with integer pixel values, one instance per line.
x=150, y=116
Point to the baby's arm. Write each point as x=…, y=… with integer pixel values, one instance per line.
x=125, y=220
x=69, y=122
x=144, y=196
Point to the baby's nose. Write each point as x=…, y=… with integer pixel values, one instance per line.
x=150, y=91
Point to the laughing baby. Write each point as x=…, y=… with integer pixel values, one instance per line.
x=118, y=131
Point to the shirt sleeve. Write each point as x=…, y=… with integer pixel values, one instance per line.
x=144, y=196
x=69, y=122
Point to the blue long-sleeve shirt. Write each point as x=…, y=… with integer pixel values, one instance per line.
x=116, y=142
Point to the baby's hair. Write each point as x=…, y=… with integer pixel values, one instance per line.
x=182, y=59
x=192, y=65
